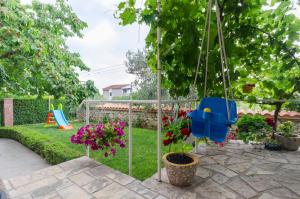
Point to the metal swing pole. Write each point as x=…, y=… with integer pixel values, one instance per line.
x=158, y=97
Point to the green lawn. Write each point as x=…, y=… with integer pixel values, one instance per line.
x=144, y=149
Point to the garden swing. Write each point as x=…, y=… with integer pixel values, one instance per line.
x=214, y=115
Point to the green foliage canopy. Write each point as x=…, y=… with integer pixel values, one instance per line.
x=260, y=40
x=34, y=57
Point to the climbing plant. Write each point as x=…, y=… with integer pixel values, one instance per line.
x=260, y=40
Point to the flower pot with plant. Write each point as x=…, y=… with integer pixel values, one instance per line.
x=104, y=137
x=181, y=166
x=272, y=144
x=253, y=129
x=287, y=136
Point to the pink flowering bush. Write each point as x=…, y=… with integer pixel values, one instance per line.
x=103, y=136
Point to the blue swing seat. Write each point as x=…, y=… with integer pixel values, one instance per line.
x=214, y=124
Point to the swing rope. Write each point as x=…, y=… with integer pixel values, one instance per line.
x=224, y=62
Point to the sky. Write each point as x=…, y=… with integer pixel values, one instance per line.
x=105, y=42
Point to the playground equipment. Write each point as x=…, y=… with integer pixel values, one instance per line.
x=57, y=118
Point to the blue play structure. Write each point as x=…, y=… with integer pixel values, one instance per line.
x=214, y=123
x=60, y=119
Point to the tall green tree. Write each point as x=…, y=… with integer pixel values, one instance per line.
x=145, y=82
x=34, y=57
x=260, y=40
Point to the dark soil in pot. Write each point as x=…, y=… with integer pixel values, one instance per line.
x=178, y=158
x=272, y=147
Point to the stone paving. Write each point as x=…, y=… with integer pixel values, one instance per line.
x=238, y=171
x=235, y=171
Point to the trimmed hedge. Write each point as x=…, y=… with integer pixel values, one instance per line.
x=1, y=112
x=53, y=153
x=32, y=111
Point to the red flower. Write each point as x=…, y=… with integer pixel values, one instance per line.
x=270, y=122
x=169, y=134
x=167, y=142
x=171, y=119
x=182, y=113
x=165, y=119
x=185, y=131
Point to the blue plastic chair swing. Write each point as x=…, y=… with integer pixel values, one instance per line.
x=214, y=124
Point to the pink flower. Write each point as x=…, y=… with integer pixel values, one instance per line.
x=113, y=151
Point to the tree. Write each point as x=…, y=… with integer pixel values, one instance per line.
x=259, y=38
x=34, y=57
x=145, y=81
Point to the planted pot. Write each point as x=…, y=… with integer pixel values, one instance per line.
x=247, y=88
x=181, y=168
x=288, y=143
x=273, y=146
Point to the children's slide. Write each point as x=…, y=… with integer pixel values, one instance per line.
x=61, y=120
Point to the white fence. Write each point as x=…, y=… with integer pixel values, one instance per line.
x=93, y=103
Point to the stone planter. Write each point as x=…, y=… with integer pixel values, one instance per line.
x=288, y=143
x=180, y=174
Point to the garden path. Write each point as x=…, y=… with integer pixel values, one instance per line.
x=15, y=159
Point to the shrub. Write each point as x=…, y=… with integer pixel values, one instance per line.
x=287, y=129
x=54, y=153
x=253, y=128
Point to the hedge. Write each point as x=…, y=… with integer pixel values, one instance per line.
x=32, y=111
x=1, y=112
x=53, y=153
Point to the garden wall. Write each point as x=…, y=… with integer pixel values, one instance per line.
x=1, y=112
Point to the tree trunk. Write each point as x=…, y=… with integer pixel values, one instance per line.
x=276, y=114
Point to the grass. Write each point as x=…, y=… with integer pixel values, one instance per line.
x=144, y=149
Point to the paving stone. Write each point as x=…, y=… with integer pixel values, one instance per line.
x=33, y=186
x=141, y=189
x=97, y=184
x=48, y=195
x=260, y=182
x=71, y=172
x=294, y=187
x=267, y=196
x=189, y=195
x=219, y=178
x=282, y=193
x=207, y=161
x=120, y=177
x=239, y=168
x=237, y=160
x=164, y=188
x=49, y=171
x=23, y=180
x=6, y=185
x=279, y=160
x=253, y=155
x=26, y=196
x=81, y=179
x=79, y=163
x=202, y=172
x=99, y=171
x=221, y=169
x=263, y=169
x=221, y=159
x=242, y=188
x=291, y=167
x=211, y=190
x=73, y=192
x=116, y=191
x=51, y=188
x=161, y=197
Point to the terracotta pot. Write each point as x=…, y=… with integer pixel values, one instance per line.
x=288, y=143
x=247, y=88
x=181, y=174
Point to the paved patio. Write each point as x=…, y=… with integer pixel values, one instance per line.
x=236, y=171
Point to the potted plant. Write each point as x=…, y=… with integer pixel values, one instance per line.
x=247, y=88
x=287, y=136
x=181, y=166
x=272, y=144
x=102, y=137
x=253, y=129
